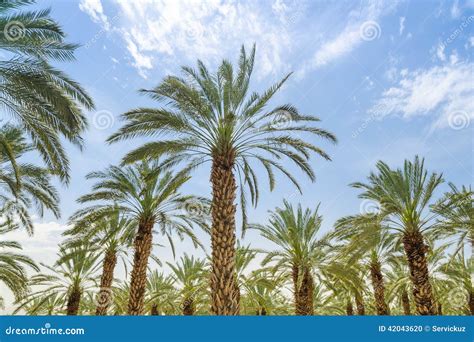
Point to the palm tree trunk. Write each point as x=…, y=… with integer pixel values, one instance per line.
x=224, y=297
x=360, y=304
x=105, y=293
x=303, y=292
x=307, y=288
x=379, y=288
x=471, y=303
x=154, y=310
x=406, y=303
x=440, y=309
x=188, y=307
x=142, y=245
x=415, y=250
x=73, y=301
x=349, y=308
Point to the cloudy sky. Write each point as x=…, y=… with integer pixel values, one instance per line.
x=390, y=79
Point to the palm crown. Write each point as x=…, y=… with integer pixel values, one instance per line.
x=42, y=99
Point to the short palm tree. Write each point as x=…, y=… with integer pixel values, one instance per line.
x=74, y=274
x=214, y=118
x=366, y=241
x=43, y=100
x=24, y=186
x=456, y=217
x=111, y=236
x=301, y=251
x=13, y=265
x=161, y=294
x=149, y=195
x=263, y=292
x=191, y=276
x=404, y=196
x=459, y=272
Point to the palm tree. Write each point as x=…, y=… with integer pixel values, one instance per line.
x=456, y=216
x=24, y=186
x=213, y=118
x=263, y=292
x=149, y=195
x=404, y=196
x=43, y=100
x=459, y=271
x=13, y=266
x=301, y=251
x=161, y=295
x=190, y=274
x=111, y=236
x=74, y=274
x=368, y=242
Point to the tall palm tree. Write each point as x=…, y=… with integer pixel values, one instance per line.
x=149, y=195
x=214, y=118
x=368, y=242
x=73, y=274
x=23, y=186
x=111, y=236
x=43, y=100
x=301, y=251
x=191, y=275
x=13, y=265
x=404, y=196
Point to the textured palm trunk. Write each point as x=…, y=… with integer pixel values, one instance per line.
x=379, y=288
x=188, y=307
x=73, y=302
x=471, y=303
x=154, y=310
x=349, y=308
x=303, y=292
x=360, y=305
x=142, y=246
x=105, y=293
x=224, y=293
x=415, y=250
x=439, y=309
x=406, y=303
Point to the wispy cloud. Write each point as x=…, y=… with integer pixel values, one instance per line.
x=444, y=92
x=95, y=10
x=170, y=33
x=362, y=25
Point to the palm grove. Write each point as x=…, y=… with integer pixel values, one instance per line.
x=407, y=255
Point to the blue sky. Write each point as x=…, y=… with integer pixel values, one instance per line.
x=390, y=79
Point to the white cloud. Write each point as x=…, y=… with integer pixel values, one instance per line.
x=440, y=52
x=439, y=91
x=455, y=10
x=402, y=25
x=362, y=25
x=95, y=10
x=172, y=33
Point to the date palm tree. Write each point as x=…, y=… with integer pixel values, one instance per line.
x=111, y=236
x=24, y=186
x=161, y=294
x=73, y=274
x=300, y=249
x=404, y=197
x=214, y=118
x=44, y=101
x=148, y=194
x=456, y=217
x=367, y=242
x=14, y=265
x=191, y=276
x=461, y=292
